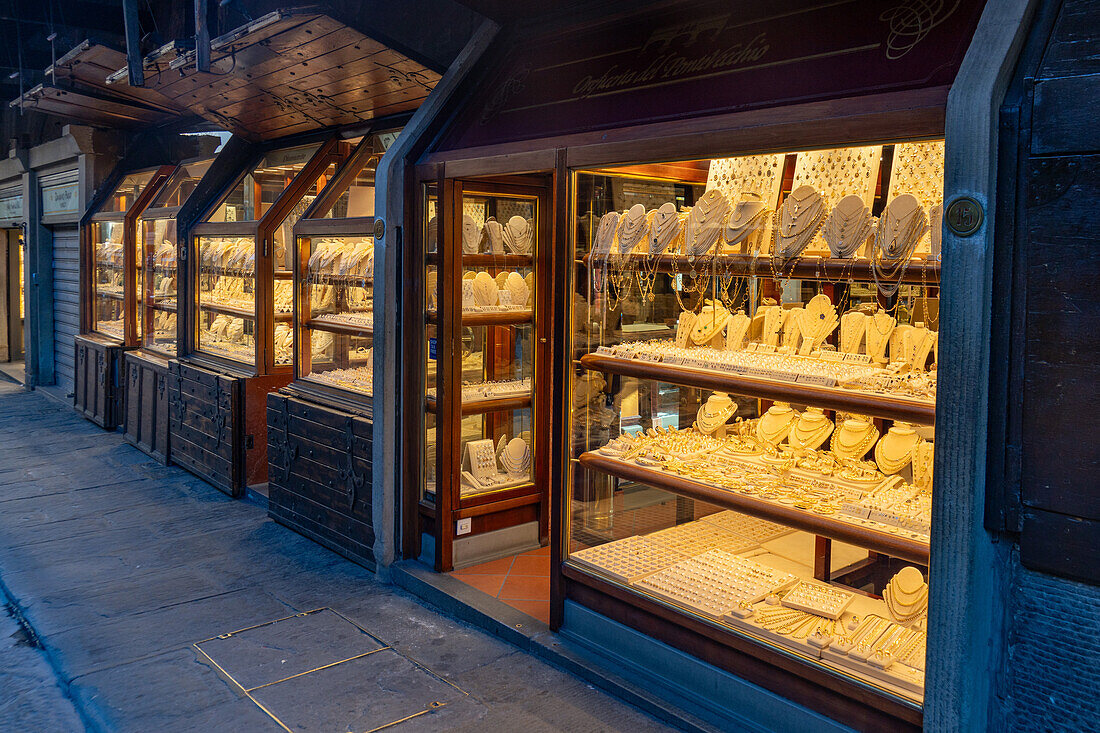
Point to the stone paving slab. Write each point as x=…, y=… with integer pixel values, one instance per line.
x=266, y=654
x=123, y=567
x=381, y=689
x=30, y=698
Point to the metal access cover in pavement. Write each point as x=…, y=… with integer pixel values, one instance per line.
x=319, y=671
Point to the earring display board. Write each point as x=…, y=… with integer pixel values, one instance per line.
x=917, y=170
x=758, y=175
x=796, y=413
x=486, y=341
x=835, y=174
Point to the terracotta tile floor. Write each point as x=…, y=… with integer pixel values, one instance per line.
x=521, y=581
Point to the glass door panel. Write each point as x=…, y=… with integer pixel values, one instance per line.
x=497, y=235
x=109, y=278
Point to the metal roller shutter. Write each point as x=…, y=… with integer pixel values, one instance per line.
x=66, y=301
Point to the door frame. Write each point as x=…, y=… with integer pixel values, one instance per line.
x=419, y=518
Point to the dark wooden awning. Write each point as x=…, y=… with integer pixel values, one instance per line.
x=78, y=89
x=290, y=71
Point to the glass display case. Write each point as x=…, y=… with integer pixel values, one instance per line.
x=486, y=344
x=752, y=402
x=114, y=246
x=243, y=255
x=157, y=232
x=336, y=280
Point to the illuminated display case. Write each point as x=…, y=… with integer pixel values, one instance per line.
x=112, y=282
x=486, y=329
x=113, y=245
x=752, y=409
x=335, y=278
x=159, y=260
x=238, y=341
x=243, y=255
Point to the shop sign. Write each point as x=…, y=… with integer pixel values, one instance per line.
x=686, y=59
x=63, y=198
x=11, y=207
x=289, y=156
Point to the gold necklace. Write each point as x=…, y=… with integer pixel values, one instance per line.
x=815, y=435
x=892, y=464
x=889, y=260
x=776, y=436
x=859, y=448
x=853, y=334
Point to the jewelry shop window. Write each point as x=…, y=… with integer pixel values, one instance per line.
x=336, y=284
x=109, y=259
x=159, y=258
x=245, y=248
x=753, y=403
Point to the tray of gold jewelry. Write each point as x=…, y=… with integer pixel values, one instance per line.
x=877, y=647
x=818, y=598
x=628, y=559
x=713, y=583
x=695, y=538
x=751, y=528
x=900, y=670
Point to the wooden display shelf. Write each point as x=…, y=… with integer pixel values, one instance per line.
x=870, y=539
x=110, y=294
x=226, y=271
x=230, y=310
x=495, y=318
x=485, y=259
x=347, y=329
x=918, y=272
x=833, y=398
x=327, y=278
x=480, y=407
x=161, y=306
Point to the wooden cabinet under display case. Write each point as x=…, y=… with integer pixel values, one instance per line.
x=486, y=424
x=145, y=369
x=320, y=428
x=112, y=283
x=239, y=327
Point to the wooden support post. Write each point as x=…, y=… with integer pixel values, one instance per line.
x=202, y=37
x=133, y=43
x=823, y=558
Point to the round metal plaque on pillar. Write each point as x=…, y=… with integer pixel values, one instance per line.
x=964, y=216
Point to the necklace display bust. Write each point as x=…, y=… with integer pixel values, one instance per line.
x=854, y=438
x=895, y=451
x=811, y=430
x=714, y=413
x=775, y=424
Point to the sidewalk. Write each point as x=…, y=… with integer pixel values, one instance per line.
x=133, y=575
